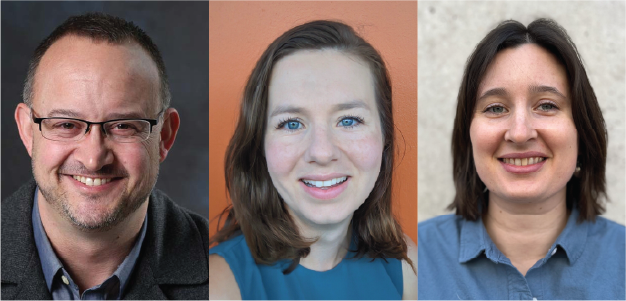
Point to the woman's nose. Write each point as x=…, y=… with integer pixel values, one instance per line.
x=520, y=127
x=322, y=148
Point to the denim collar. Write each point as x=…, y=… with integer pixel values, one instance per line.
x=50, y=263
x=475, y=241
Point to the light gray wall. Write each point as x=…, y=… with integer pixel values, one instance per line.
x=448, y=33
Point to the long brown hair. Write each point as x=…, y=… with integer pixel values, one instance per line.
x=257, y=209
x=584, y=191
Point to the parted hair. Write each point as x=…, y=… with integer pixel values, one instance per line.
x=586, y=188
x=256, y=207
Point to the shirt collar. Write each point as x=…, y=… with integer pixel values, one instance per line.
x=51, y=264
x=476, y=241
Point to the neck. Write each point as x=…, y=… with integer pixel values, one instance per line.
x=331, y=246
x=90, y=257
x=525, y=232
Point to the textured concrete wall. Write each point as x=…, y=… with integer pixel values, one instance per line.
x=448, y=33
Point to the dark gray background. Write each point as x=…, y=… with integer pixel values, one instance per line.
x=179, y=29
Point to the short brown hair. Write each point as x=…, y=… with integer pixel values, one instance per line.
x=99, y=27
x=584, y=190
x=257, y=209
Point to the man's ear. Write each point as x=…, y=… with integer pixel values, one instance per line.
x=25, y=126
x=171, y=123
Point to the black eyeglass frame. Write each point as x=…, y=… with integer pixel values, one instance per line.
x=152, y=122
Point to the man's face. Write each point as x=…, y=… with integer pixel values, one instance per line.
x=95, y=81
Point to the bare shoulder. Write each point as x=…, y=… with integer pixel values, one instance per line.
x=222, y=283
x=409, y=275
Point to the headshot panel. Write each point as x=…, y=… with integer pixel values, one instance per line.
x=183, y=176
x=90, y=118
x=521, y=139
x=599, y=38
x=313, y=149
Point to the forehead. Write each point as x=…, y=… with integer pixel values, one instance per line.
x=79, y=73
x=523, y=66
x=319, y=77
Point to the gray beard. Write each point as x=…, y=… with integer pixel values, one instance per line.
x=127, y=206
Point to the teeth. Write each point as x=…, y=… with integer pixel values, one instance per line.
x=523, y=161
x=322, y=184
x=91, y=181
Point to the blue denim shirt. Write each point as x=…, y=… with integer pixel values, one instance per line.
x=60, y=283
x=458, y=260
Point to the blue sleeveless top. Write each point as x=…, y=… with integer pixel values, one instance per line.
x=352, y=278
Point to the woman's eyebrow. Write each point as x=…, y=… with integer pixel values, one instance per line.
x=357, y=103
x=542, y=89
x=493, y=92
x=286, y=109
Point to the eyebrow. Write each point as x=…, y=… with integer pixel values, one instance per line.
x=338, y=107
x=493, y=92
x=532, y=89
x=357, y=103
x=64, y=113
x=74, y=114
x=542, y=89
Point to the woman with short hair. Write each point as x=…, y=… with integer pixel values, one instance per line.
x=529, y=147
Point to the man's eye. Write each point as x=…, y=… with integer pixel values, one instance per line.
x=123, y=126
x=66, y=125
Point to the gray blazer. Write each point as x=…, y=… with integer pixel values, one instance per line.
x=173, y=263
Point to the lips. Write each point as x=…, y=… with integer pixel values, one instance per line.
x=325, y=187
x=324, y=184
x=522, y=161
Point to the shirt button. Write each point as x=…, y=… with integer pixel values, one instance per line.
x=554, y=251
x=65, y=279
x=534, y=299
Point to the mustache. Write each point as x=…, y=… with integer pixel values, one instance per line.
x=108, y=171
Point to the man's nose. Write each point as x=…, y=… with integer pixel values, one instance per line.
x=322, y=148
x=521, y=127
x=93, y=150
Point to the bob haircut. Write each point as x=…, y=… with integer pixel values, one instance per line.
x=586, y=187
x=257, y=209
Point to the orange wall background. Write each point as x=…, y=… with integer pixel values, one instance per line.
x=239, y=32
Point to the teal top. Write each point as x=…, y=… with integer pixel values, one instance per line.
x=352, y=278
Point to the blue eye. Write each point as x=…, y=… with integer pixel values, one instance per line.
x=347, y=122
x=290, y=124
x=350, y=121
x=293, y=124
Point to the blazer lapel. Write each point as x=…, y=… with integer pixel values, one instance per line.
x=22, y=277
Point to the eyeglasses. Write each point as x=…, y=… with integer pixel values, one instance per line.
x=72, y=129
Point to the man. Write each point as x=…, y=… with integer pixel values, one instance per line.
x=96, y=122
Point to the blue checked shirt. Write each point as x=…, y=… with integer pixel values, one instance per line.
x=60, y=283
x=457, y=260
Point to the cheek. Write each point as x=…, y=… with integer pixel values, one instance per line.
x=281, y=156
x=365, y=152
x=563, y=142
x=49, y=156
x=485, y=140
